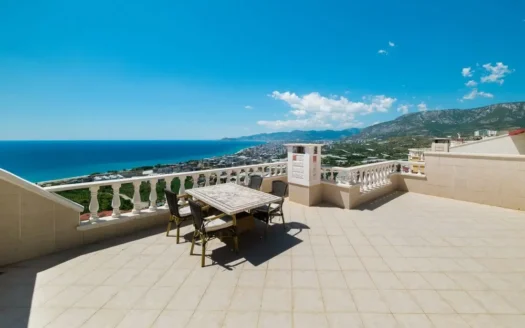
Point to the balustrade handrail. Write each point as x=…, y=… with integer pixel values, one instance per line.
x=86, y=185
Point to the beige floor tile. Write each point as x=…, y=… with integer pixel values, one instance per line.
x=241, y=319
x=38, y=317
x=482, y=321
x=147, y=278
x=461, y=302
x=280, y=263
x=307, y=300
x=515, y=298
x=386, y=280
x=331, y=279
x=97, y=297
x=45, y=293
x=69, y=296
x=303, y=263
x=105, y=318
x=278, y=279
x=172, y=319
x=186, y=298
x=512, y=321
x=440, y=281
x=379, y=320
x=350, y=264
x=72, y=318
x=400, y=301
x=369, y=301
x=431, y=302
x=217, y=299
x=447, y=321
x=156, y=298
x=338, y=300
x=139, y=318
x=413, y=280
x=246, y=299
x=275, y=319
x=277, y=300
x=375, y=264
x=359, y=280
x=305, y=279
x=344, y=320
x=345, y=251
x=326, y=263
x=96, y=277
x=413, y=320
x=467, y=281
x=307, y=320
x=493, y=303
x=252, y=278
x=121, y=277
x=173, y=278
x=126, y=297
x=366, y=251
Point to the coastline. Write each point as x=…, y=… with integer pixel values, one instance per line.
x=53, y=161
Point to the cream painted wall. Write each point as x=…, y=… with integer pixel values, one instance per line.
x=497, y=180
x=510, y=145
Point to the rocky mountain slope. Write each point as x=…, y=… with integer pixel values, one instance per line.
x=298, y=135
x=441, y=123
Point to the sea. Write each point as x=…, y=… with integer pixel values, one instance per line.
x=38, y=161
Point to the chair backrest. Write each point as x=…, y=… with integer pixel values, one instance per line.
x=255, y=182
x=173, y=202
x=279, y=188
x=196, y=212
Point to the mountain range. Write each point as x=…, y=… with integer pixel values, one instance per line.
x=437, y=123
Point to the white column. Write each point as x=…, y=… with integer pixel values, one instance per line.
x=136, y=197
x=115, y=202
x=182, y=188
x=168, y=183
x=153, y=195
x=207, y=179
x=93, y=204
x=195, y=180
x=228, y=176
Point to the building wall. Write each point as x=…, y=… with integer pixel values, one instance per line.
x=496, y=180
x=510, y=145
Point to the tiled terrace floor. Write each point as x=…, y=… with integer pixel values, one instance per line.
x=407, y=261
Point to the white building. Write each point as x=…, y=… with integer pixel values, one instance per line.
x=485, y=133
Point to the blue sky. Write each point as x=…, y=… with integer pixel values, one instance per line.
x=210, y=69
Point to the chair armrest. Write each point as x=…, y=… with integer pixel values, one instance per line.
x=215, y=217
x=206, y=207
x=183, y=196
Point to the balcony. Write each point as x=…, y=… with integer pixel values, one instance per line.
x=379, y=250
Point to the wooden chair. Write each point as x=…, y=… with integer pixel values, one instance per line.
x=179, y=210
x=210, y=227
x=267, y=212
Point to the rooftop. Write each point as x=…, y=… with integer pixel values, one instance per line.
x=405, y=260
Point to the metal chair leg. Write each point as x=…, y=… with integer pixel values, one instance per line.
x=284, y=223
x=193, y=242
x=178, y=232
x=236, y=243
x=203, y=252
x=169, y=228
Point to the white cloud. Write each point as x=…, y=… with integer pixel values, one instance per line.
x=316, y=111
x=475, y=93
x=467, y=72
x=471, y=83
x=248, y=107
x=403, y=108
x=391, y=44
x=422, y=107
x=382, y=52
x=496, y=73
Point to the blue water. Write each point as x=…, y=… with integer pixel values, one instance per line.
x=48, y=160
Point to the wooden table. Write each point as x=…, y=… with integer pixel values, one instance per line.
x=232, y=199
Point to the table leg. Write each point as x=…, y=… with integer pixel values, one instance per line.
x=235, y=237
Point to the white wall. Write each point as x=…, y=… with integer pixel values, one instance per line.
x=506, y=145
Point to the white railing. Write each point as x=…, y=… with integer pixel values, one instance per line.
x=370, y=176
x=239, y=175
x=409, y=167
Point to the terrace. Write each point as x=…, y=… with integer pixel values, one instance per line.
x=379, y=249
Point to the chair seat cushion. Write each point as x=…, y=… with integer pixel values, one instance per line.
x=267, y=208
x=184, y=211
x=218, y=224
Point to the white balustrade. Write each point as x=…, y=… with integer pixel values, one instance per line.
x=266, y=170
x=115, y=202
x=136, y=197
x=153, y=195
x=368, y=176
x=93, y=203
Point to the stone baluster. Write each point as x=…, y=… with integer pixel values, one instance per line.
x=153, y=195
x=168, y=183
x=93, y=203
x=195, y=178
x=115, y=202
x=136, y=197
x=207, y=179
x=182, y=187
x=228, y=176
x=238, y=177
